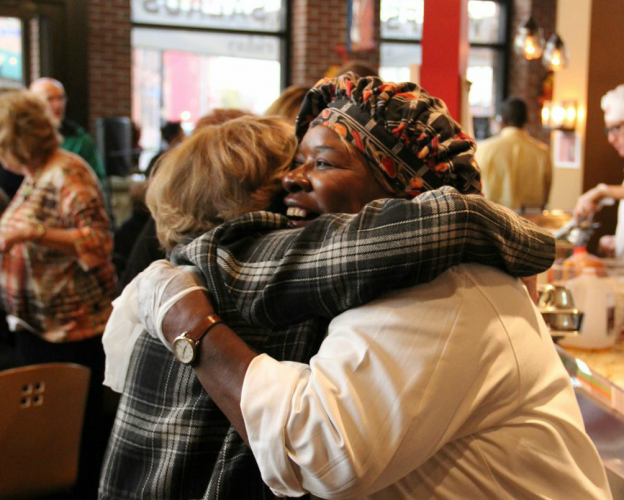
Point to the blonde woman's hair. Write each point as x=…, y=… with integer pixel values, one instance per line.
x=219, y=116
x=220, y=172
x=288, y=103
x=27, y=131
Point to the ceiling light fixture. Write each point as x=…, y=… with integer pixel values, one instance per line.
x=529, y=41
x=556, y=54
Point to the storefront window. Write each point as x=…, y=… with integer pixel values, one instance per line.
x=484, y=65
x=248, y=15
x=401, y=32
x=183, y=74
x=487, y=23
x=486, y=60
x=396, y=59
x=402, y=19
x=11, y=71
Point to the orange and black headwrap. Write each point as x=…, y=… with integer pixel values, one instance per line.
x=405, y=133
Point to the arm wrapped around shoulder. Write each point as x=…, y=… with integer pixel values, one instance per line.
x=341, y=261
x=488, y=233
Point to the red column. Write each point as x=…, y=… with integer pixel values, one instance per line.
x=445, y=51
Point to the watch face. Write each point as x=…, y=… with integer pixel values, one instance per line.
x=183, y=350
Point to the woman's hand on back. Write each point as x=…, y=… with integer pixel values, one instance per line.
x=172, y=299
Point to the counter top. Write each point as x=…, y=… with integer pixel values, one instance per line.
x=608, y=363
x=598, y=380
x=599, y=373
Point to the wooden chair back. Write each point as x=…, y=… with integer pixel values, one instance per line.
x=41, y=415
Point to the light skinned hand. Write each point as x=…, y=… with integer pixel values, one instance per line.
x=531, y=284
x=159, y=287
x=606, y=246
x=588, y=203
x=14, y=236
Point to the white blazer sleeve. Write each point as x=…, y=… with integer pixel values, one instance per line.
x=385, y=392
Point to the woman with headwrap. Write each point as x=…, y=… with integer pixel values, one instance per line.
x=278, y=290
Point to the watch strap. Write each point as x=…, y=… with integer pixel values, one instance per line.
x=38, y=230
x=203, y=327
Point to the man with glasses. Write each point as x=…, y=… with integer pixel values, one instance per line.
x=613, y=106
x=75, y=139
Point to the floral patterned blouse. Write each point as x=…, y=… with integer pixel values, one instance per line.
x=62, y=297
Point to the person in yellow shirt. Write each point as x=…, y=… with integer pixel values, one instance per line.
x=516, y=169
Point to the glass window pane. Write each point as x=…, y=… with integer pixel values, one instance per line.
x=395, y=59
x=486, y=22
x=253, y=15
x=147, y=95
x=485, y=76
x=10, y=52
x=402, y=19
x=182, y=75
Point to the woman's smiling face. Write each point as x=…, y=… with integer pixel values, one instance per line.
x=328, y=177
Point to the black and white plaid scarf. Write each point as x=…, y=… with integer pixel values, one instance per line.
x=278, y=289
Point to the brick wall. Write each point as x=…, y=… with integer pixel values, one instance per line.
x=109, y=59
x=319, y=29
x=526, y=78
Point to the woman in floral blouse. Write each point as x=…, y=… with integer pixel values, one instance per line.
x=56, y=275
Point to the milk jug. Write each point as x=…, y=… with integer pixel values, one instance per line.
x=594, y=296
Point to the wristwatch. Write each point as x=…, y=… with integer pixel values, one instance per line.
x=38, y=230
x=185, y=346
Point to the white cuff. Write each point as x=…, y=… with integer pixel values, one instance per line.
x=120, y=336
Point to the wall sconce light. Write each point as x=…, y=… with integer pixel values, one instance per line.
x=559, y=115
x=556, y=54
x=529, y=41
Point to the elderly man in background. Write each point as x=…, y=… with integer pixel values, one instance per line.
x=75, y=139
x=516, y=169
x=613, y=106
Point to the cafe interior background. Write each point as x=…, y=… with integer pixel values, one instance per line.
x=156, y=60
x=130, y=65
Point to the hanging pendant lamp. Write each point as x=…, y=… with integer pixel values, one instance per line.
x=529, y=41
x=556, y=55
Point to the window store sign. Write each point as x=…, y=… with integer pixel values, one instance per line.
x=255, y=15
x=208, y=43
